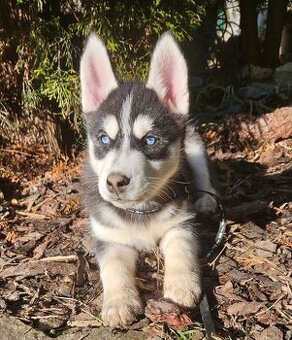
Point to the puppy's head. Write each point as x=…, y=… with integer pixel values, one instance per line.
x=135, y=130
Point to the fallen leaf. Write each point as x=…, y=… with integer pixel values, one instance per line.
x=258, y=295
x=244, y=308
x=262, y=267
x=36, y=268
x=51, y=321
x=154, y=331
x=139, y=324
x=268, y=318
x=34, y=235
x=81, y=272
x=270, y=333
x=40, y=249
x=227, y=291
x=265, y=248
x=164, y=311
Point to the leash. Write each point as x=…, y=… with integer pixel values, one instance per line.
x=204, y=304
x=222, y=224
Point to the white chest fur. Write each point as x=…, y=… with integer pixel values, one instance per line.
x=141, y=236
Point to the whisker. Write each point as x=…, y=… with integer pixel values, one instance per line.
x=183, y=182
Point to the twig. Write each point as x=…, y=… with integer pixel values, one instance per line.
x=212, y=264
x=273, y=305
x=46, y=200
x=83, y=336
x=43, y=317
x=26, y=331
x=287, y=317
x=75, y=300
x=32, y=215
x=85, y=323
x=17, y=151
x=60, y=258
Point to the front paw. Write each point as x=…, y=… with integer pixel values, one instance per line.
x=184, y=290
x=121, y=311
x=205, y=204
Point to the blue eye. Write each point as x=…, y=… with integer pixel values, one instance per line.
x=150, y=140
x=105, y=139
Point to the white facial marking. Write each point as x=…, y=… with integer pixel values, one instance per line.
x=142, y=125
x=118, y=161
x=125, y=114
x=111, y=126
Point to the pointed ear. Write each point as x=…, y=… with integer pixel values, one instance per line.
x=96, y=74
x=168, y=75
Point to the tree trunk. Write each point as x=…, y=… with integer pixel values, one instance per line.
x=8, y=27
x=249, y=30
x=277, y=10
x=197, y=51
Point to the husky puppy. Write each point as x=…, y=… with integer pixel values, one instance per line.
x=141, y=154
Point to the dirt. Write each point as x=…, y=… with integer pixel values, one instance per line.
x=12, y=328
x=49, y=281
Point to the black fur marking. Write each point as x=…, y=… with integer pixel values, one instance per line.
x=168, y=127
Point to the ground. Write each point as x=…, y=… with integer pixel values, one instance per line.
x=49, y=281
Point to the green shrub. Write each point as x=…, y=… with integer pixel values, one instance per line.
x=51, y=36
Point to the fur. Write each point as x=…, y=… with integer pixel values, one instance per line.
x=141, y=152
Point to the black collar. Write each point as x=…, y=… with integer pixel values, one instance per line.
x=144, y=211
x=179, y=191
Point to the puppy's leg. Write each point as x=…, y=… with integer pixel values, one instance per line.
x=121, y=301
x=182, y=282
x=198, y=161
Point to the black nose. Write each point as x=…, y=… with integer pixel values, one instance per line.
x=117, y=182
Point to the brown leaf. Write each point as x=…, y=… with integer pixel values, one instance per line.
x=30, y=200
x=34, y=235
x=270, y=333
x=51, y=321
x=40, y=249
x=154, y=331
x=262, y=267
x=139, y=324
x=36, y=268
x=257, y=294
x=268, y=318
x=27, y=242
x=244, y=308
x=265, y=248
x=66, y=286
x=164, y=311
x=227, y=291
